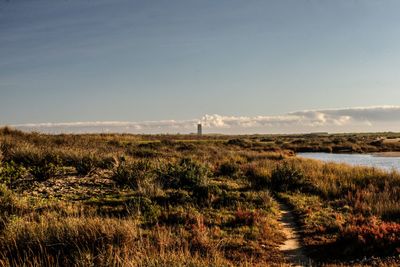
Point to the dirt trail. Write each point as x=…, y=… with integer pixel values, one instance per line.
x=292, y=247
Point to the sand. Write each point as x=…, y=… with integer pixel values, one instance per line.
x=292, y=247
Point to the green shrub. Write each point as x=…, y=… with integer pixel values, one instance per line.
x=186, y=147
x=107, y=162
x=44, y=170
x=115, y=143
x=187, y=174
x=174, y=198
x=11, y=132
x=42, y=164
x=86, y=165
x=150, y=145
x=25, y=155
x=133, y=175
x=229, y=169
x=287, y=177
x=145, y=207
x=7, y=149
x=239, y=142
x=245, y=218
x=168, y=142
x=143, y=153
x=7, y=199
x=257, y=179
x=10, y=172
x=178, y=217
x=227, y=199
x=205, y=194
x=10, y=205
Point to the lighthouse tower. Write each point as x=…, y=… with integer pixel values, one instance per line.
x=199, y=129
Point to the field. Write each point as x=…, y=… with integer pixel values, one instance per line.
x=185, y=200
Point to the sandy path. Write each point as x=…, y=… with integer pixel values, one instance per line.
x=292, y=247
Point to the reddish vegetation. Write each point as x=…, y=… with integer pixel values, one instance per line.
x=131, y=200
x=370, y=237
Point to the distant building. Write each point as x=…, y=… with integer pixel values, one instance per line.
x=199, y=129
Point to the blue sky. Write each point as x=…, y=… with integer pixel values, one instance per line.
x=127, y=60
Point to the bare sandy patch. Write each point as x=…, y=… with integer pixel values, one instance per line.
x=292, y=247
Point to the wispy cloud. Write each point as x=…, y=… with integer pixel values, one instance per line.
x=375, y=118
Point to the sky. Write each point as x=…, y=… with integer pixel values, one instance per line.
x=235, y=66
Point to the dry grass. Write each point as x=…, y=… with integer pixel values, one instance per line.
x=136, y=200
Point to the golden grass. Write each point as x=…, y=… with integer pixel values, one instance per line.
x=128, y=200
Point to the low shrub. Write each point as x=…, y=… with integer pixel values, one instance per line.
x=229, y=169
x=10, y=205
x=239, y=142
x=370, y=236
x=174, y=198
x=168, y=142
x=256, y=177
x=7, y=201
x=11, y=172
x=133, y=175
x=186, y=174
x=227, y=199
x=287, y=177
x=28, y=155
x=245, y=217
x=150, y=145
x=205, y=194
x=106, y=162
x=86, y=165
x=186, y=147
x=143, y=153
x=44, y=170
x=179, y=216
x=145, y=207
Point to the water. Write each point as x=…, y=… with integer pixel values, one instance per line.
x=387, y=163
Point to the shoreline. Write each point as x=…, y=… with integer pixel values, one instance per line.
x=388, y=154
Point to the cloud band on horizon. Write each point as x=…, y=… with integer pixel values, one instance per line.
x=356, y=119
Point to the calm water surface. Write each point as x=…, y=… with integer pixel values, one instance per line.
x=387, y=163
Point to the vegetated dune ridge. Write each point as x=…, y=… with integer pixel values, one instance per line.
x=137, y=200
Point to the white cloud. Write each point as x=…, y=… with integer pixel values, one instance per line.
x=358, y=119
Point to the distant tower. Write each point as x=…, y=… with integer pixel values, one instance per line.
x=199, y=129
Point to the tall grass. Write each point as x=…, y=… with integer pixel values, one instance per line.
x=138, y=200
